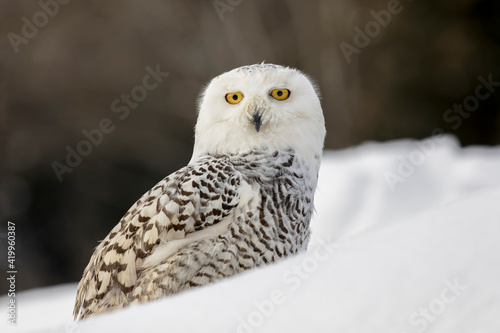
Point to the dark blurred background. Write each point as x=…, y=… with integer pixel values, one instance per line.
x=64, y=79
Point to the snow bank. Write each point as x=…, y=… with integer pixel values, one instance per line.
x=421, y=255
x=40, y=309
x=354, y=195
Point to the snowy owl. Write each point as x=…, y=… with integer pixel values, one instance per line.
x=245, y=199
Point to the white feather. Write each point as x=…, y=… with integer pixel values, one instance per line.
x=295, y=123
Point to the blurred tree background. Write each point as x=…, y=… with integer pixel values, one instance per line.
x=64, y=79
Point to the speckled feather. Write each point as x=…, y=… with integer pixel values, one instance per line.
x=271, y=222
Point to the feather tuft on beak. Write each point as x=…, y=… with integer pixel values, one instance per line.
x=257, y=120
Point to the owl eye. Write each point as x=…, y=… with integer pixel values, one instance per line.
x=280, y=94
x=234, y=98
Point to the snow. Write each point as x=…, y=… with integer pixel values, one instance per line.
x=421, y=255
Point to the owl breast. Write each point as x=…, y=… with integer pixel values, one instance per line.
x=271, y=222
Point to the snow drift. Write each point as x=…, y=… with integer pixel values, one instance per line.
x=406, y=239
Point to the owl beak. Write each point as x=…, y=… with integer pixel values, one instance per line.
x=257, y=121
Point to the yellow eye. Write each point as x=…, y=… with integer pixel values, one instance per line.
x=280, y=94
x=234, y=98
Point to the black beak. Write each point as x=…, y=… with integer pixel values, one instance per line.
x=257, y=121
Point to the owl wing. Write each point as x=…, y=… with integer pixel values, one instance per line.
x=189, y=200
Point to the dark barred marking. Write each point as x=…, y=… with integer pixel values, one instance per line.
x=272, y=224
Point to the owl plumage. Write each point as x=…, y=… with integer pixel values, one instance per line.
x=245, y=199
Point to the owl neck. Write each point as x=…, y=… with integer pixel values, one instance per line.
x=307, y=151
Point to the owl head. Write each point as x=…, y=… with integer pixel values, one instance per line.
x=262, y=106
